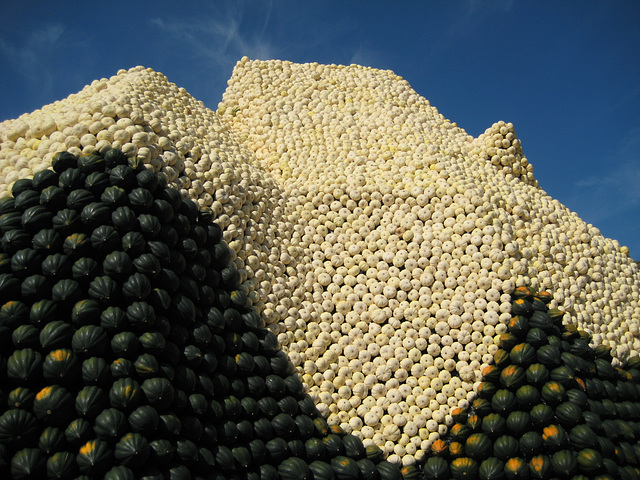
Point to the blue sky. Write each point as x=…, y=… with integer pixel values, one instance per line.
x=567, y=74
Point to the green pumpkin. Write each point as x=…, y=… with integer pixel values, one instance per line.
x=589, y=460
x=481, y=406
x=353, y=446
x=508, y=340
x=18, y=427
x=53, y=405
x=436, y=468
x=345, y=467
x=28, y=463
x=568, y=414
x=321, y=470
x=306, y=428
x=486, y=390
x=23, y=365
x=501, y=358
x=125, y=393
x=554, y=437
x=503, y=402
x=553, y=392
x=581, y=437
x=90, y=401
x=478, y=446
x=518, y=325
x=492, y=425
x=464, y=467
x=521, y=306
x=505, y=447
x=21, y=397
x=515, y=468
x=549, y=355
x=536, y=337
x=460, y=431
x=132, y=450
x=387, y=471
x=523, y=354
x=144, y=420
x=278, y=449
x=512, y=376
x=540, y=467
x=518, y=422
x=490, y=373
x=530, y=443
x=89, y=340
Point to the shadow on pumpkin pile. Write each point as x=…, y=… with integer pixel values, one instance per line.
x=128, y=350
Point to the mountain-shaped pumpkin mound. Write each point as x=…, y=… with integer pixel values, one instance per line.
x=376, y=239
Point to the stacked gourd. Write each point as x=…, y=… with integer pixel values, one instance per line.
x=128, y=351
x=550, y=406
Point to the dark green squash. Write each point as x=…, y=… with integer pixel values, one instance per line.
x=25, y=336
x=21, y=397
x=95, y=371
x=503, y=401
x=516, y=468
x=28, y=463
x=36, y=218
x=478, y=446
x=111, y=423
x=125, y=393
x=61, y=366
x=14, y=241
x=53, y=405
x=86, y=312
x=53, y=198
x=512, y=376
x=505, y=447
x=52, y=440
x=94, y=457
x=493, y=425
x=105, y=239
x=518, y=422
x=537, y=374
x=18, y=427
x=462, y=468
x=541, y=415
x=26, y=199
x=530, y=443
x=90, y=401
x=105, y=290
x=23, y=366
x=554, y=437
x=491, y=469
x=26, y=262
x=89, y=340
x=132, y=450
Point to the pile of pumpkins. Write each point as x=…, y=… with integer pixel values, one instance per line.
x=128, y=350
x=549, y=407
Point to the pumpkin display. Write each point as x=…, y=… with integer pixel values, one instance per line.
x=549, y=407
x=118, y=365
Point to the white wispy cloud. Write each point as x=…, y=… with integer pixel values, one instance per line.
x=611, y=201
x=218, y=36
x=29, y=57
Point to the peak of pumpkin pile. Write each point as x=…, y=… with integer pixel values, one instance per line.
x=377, y=241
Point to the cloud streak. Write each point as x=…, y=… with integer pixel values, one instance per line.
x=219, y=37
x=29, y=59
x=611, y=201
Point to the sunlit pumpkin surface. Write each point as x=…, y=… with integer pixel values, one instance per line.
x=377, y=241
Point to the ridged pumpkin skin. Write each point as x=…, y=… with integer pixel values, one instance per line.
x=478, y=446
x=129, y=349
